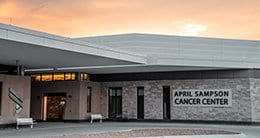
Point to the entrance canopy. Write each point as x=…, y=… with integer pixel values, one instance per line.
x=126, y=53
x=37, y=50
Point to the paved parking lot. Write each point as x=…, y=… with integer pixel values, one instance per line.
x=45, y=129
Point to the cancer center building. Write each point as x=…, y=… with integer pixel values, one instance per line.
x=140, y=77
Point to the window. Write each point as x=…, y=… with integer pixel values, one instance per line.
x=58, y=76
x=36, y=77
x=46, y=77
x=68, y=76
x=166, y=103
x=73, y=76
x=89, y=99
x=84, y=76
x=0, y=98
x=140, y=102
x=115, y=102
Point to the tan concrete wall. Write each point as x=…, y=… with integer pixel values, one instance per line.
x=95, y=99
x=76, y=106
x=71, y=88
x=22, y=85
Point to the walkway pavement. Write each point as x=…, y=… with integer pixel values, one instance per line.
x=45, y=129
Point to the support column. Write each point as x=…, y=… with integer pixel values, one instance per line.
x=20, y=70
x=78, y=76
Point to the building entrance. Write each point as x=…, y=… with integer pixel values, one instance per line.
x=115, y=103
x=54, y=106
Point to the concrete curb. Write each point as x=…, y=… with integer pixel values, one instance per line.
x=202, y=136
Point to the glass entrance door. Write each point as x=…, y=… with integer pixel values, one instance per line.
x=115, y=102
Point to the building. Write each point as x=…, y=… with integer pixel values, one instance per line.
x=127, y=77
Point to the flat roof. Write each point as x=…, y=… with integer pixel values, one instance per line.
x=186, y=51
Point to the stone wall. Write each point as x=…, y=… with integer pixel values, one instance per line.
x=245, y=99
x=241, y=106
x=22, y=85
x=255, y=99
x=153, y=98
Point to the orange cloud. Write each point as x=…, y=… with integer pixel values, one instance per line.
x=222, y=18
x=6, y=9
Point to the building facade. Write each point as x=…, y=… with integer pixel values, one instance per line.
x=115, y=98
x=127, y=77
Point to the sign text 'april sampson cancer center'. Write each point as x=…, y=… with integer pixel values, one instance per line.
x=205, y=97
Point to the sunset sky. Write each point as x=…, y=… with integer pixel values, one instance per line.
x=76, y=18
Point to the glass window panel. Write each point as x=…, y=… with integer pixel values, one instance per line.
x=73, y=76
x=68, y=76
x=84, y=76
x=58, y=76
x=112, y=92
x=140, y=91
x=140, y=102
x=53, y=77
x=46, y=77
x=36, y=77
x=89, y=99
x=119, y=92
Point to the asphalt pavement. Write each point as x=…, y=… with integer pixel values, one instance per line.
x=46, y=129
